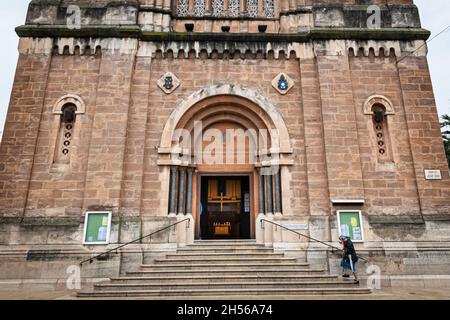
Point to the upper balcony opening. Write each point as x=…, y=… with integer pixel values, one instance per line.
x=227, y=9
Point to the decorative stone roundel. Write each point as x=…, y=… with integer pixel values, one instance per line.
x=283, y=83
x=168, y=83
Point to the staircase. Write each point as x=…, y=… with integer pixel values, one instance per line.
x=223, y=269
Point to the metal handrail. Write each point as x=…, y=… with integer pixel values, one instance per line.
x=304, y=235
x=136, y=240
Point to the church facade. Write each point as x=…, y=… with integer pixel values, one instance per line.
x=316, y=115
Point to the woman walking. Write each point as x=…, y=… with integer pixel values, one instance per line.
x=349, y=258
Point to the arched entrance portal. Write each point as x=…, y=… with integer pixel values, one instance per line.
x=226, y=147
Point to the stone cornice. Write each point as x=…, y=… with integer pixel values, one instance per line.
x=403, y=34
x=132, y=31
x=61, y=31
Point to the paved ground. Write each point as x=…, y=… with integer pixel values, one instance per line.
x=385, y=294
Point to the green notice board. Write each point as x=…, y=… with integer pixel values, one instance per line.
x=97, y=227
x=350, y=224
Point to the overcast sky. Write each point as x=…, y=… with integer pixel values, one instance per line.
x=435, y=16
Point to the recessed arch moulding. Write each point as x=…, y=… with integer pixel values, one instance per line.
x=378, y=100
x=242, y=106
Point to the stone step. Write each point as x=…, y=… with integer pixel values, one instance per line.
x=220, y=255
x=245, y=249
x=226, y=292
x=224, y=285
x=225, y=244
x=240, y=241
x=231, y=271
x=223, y=265
x=224, y=278
x=199, y=260
x=224, y=268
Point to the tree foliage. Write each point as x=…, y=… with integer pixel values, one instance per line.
x=445, y=125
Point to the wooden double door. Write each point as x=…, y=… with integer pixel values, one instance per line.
x=225, y=207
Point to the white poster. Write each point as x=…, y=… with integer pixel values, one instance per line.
x=102, y=233
x=357, y=235
x=345, y=230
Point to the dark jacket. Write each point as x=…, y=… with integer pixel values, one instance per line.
x=350, y=250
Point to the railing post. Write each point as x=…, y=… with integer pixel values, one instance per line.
x=181, y=231
x=278, y=231
x=190, y=229
x=172, y=232
x=268, y=230
x=259, y=230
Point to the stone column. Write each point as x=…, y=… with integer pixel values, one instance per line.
x=17, y=162
x=292, y=4
x=166, y=5
x=242, y=7
x=173, y=191
x=189, y=191
x=261, y=206
x=111, y=108
x=316, y=169
x=284, y=18
x=345, y=178
x=278, y=193
x=277, y=231
x=260, y=9
x=190, y=230
x=181, y=190
x=269, y=195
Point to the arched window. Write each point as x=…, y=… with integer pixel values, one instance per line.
x=269, y=8
x=379, y=108
x=234, y=8
x=199, y=8
x=381, y=131
x=65, y=134
x=67, y=108
x=218, y=8
x=183, y=8
x=222, y=8
x=252, y=8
